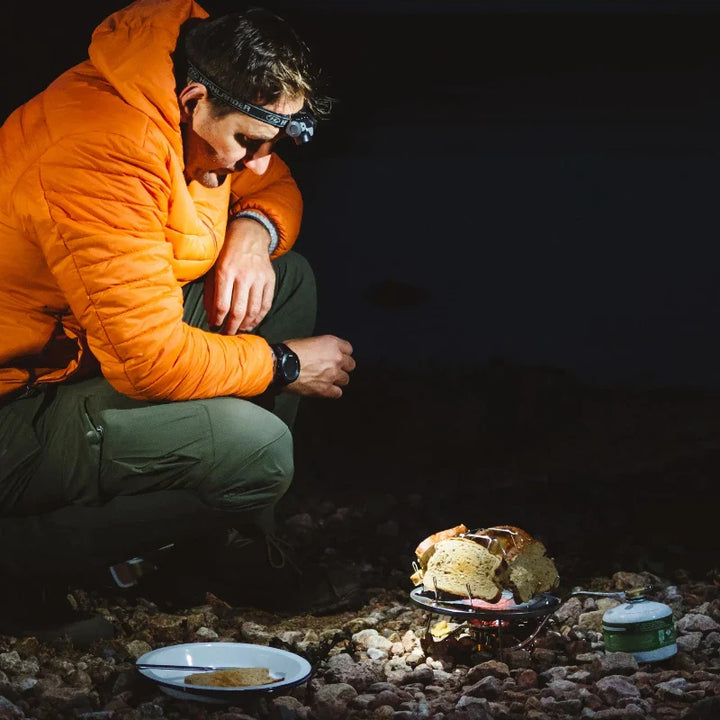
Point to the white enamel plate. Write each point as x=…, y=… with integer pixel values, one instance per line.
x=293, y=668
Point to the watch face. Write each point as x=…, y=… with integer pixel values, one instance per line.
x=287, y=364
x=290, y=367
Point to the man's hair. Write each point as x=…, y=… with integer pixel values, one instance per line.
x=255, y=56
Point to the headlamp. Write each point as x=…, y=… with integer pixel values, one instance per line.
x=300, y=126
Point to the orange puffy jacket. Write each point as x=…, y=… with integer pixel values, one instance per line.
x=99, y=230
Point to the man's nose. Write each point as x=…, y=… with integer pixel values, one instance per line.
x=242, y=157
x=259, y=163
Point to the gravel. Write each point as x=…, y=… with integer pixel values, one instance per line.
x=379, y=662
x=616, y=487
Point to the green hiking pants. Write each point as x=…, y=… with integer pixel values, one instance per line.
x=90, y=477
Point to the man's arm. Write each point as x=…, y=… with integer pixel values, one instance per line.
x=104, y=240
x=325, y=365
x=274, y=196
x=239, y=289
x=264, y=222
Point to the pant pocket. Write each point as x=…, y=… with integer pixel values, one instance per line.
x=83, y=486
x=153, y=447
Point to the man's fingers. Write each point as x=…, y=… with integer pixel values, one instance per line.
x=223, y=303
x=345, y=347
x=253, y=309
x=333, y=392
x=259, y=301
x=237, y=314
x=348, y=363
x=267, y=298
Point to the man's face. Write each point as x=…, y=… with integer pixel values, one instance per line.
x=215, y=146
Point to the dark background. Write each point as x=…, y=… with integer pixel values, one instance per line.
x=512, y=217
x=536, y=184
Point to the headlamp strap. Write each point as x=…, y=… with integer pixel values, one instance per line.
x=254, y=111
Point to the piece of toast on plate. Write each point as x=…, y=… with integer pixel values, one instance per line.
x=235, y=677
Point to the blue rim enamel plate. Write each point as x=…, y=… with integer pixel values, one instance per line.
x=281, y=663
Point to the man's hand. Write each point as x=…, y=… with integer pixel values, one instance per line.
x=325, y=365
x=239, y=290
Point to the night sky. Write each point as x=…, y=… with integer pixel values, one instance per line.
x=535, y=184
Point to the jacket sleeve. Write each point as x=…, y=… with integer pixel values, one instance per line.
x=104, y=241
x=273, y=194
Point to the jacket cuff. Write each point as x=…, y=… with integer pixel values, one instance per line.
x=265, y=222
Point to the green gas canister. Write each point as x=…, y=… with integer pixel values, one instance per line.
x=642, y=627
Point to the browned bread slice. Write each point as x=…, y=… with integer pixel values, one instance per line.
x=531, y=572
x=236, y=677
x=457, y=563
x=506, y=540
x=521, y=563
x=429, y=541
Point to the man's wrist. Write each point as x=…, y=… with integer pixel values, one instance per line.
x=265, y=222
x=286, y=365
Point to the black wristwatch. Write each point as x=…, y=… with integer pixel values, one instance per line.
x=287, y=365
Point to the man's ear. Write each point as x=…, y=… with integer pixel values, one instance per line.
x=188, y=99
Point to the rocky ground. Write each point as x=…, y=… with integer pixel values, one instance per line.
x=616, y=483
x=373, y=663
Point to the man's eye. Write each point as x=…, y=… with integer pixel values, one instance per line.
x=249, y=143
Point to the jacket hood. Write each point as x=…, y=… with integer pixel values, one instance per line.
x=132, y=49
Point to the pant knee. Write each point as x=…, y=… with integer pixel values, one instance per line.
x=296, y=270
x=253, y=465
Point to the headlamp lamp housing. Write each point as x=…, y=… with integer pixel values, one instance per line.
x=301, y=127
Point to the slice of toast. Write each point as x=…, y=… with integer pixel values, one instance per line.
x=429, y=541
x=531, y=572
x=459, y=564
x=235, y=677
x=488, y=560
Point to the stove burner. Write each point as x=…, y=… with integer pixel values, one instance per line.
x=491, y=621
x=505, y=608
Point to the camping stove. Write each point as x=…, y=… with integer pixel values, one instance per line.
x=499, y=626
